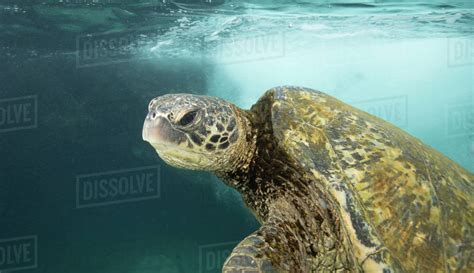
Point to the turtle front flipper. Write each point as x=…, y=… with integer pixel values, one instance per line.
x=270, y=249
x=276, y=247
x=249, y=256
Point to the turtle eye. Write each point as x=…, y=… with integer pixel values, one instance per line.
x=188, y=118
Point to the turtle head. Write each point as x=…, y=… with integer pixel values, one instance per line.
x=193, y=132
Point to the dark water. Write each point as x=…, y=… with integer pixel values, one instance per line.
x=76, y=78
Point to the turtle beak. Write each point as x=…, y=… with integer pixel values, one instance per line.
x=157, y=130
x=150, y=130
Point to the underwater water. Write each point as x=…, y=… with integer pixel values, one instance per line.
x=76, y=78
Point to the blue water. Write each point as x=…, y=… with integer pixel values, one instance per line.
x=76, y=78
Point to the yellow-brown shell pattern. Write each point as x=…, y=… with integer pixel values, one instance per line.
x=404, y=206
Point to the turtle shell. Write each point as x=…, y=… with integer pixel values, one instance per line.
x=402, y=205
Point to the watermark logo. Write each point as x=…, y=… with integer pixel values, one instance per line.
x=245, y=48
x=18, y=253
x=213, y=256
x=108, y=48
x=460, y=51
x=459, y=120
x=105, y=188
x=393, y=109
x=18, y=113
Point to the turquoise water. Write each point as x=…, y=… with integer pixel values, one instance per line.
x=76, y=78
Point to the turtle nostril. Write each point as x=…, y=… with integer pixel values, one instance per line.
x=153, y=116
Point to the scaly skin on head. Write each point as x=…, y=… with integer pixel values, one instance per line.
x=199, y=132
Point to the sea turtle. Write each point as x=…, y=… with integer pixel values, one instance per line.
x=335, y=188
